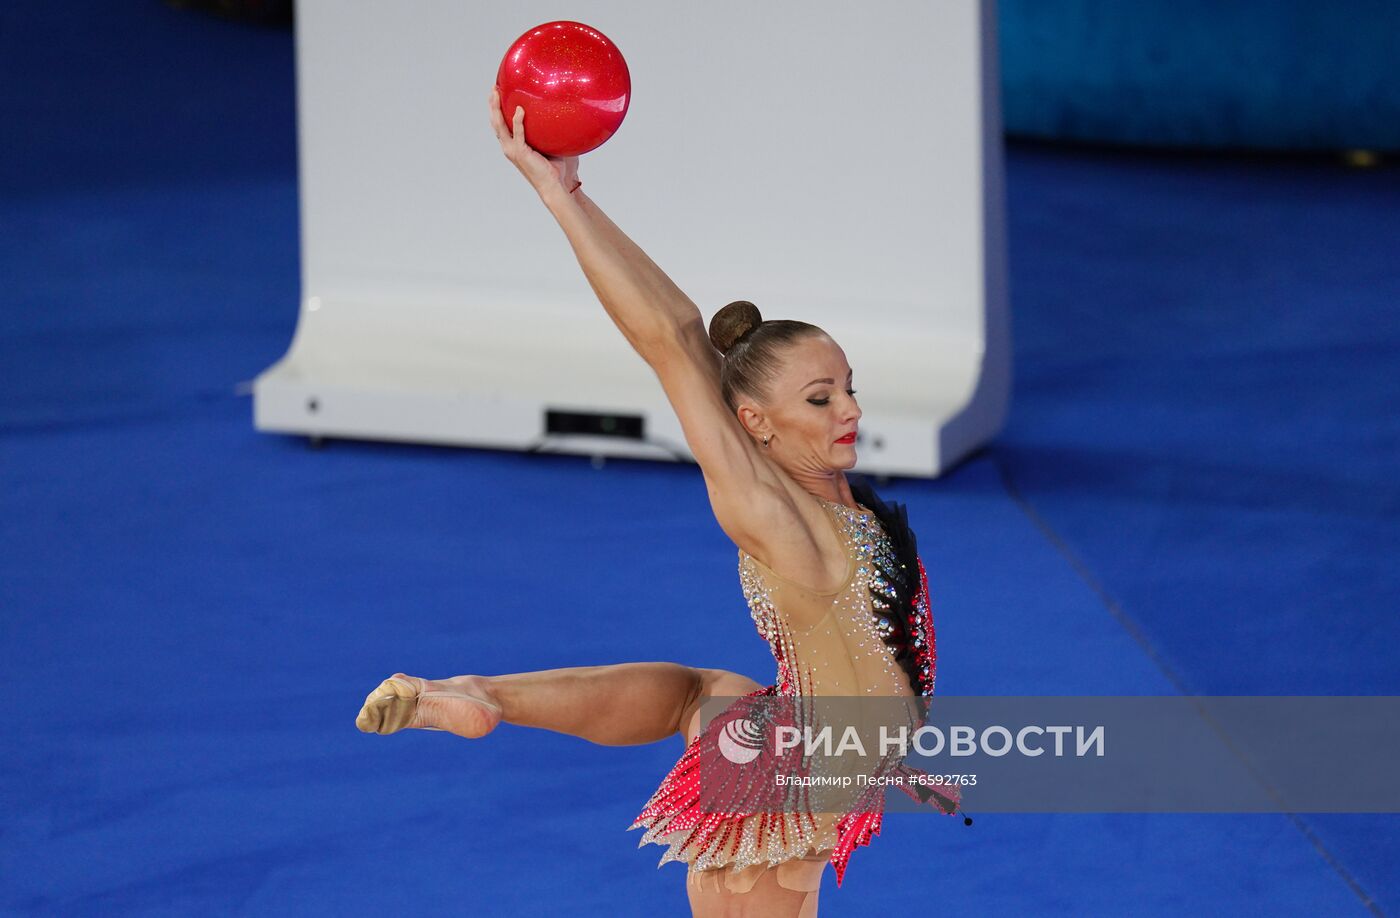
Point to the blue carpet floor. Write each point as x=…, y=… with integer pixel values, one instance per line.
x=1197, y=491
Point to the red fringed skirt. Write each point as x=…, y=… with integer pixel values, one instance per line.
x=738, y=816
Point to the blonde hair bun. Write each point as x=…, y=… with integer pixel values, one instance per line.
x=733, y=322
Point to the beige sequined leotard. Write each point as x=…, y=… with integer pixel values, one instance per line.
x=827, y=645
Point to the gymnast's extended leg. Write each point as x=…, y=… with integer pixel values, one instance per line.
x=619, y=704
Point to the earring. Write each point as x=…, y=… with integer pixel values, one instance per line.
x=765, y=441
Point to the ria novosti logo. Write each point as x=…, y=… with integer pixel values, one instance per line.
x=740, y=741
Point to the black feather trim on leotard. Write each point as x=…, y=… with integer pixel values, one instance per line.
x=900, y=611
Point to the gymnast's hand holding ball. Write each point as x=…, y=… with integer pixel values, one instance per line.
x=546, y=174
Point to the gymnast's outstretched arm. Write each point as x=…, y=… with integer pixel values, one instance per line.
x=749, y=497
x=647, y=307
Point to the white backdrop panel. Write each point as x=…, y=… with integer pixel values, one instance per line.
x=834, y=163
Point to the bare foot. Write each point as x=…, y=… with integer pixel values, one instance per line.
x=464, y=705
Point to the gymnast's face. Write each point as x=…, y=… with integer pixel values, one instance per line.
x=810, y=408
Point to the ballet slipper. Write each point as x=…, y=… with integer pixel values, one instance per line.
x=394, y=706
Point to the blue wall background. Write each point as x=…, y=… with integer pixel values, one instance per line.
x=1261, y=74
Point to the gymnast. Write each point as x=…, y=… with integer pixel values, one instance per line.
x=829, y=571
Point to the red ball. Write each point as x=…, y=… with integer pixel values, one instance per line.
x=571, y=81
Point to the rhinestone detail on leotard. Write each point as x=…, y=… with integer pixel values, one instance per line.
x=860, y=608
